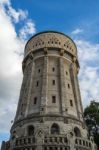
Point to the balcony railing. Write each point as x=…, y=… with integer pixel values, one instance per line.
x=56, y=139
x=53, y=142
x=82, y=142
x=24, y=141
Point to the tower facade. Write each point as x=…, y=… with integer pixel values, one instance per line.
x=49, y=114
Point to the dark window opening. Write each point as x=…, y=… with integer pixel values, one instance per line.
x=53, y=69
x=37, y=83
x=77, y=132
x=60, y=139
x=68, y=85
x=65, y=140
x=30, y=131
x=42, y=109
x=50, y=148
x=35, y=100
x=76, y=142
x=45, y=140
x=71, y=103
x=51, y=139
x=84, y=143
x=29, y=140
x=16, y=143
x=33, y=139
x=53, y=99
x=45, y=148
x=55, y=139
x=55, y=129
x=24, y=141
x=53, y=82
x=80, y=142
x=20, y=141
x=39, y=70
x=89, y=144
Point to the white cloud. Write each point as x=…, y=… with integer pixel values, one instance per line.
x=89, y=71
x=14, y=15
x=17, y=15
x=27, y=29
x=11, y=45
x=2, y=2
x=77, y=31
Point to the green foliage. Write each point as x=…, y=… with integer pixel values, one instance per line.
x=91, y=115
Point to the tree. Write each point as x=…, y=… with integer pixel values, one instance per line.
x=91, y=115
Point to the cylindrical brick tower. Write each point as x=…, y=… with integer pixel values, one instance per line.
x=49, y=114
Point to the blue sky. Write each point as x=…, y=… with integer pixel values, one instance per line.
x=19, y=20
x=63, y=15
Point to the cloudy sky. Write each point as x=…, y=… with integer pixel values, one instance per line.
x=19, y=20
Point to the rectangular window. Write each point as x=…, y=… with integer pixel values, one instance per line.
x=53, y=69
x=37, y=83
x=53, y=82
x=53, y=99
x=68, y=85
x=71, y=103
x=39, y=70
x=35, y=100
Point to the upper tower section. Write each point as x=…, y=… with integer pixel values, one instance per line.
x=51, y=39
x=50, y=84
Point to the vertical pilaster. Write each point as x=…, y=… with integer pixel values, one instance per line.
x=72, y=143
x=62, y=86
x=30, y=87
x=79, y=95
x=44, y=86
x=76, y=91
x=24, y=92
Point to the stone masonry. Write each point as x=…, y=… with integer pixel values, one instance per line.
x=49, y=114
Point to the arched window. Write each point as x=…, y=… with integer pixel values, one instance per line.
x=55, y=129
x=77, y=132
x=30, y=130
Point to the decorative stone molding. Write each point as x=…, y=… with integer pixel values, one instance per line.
x=51, y=39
